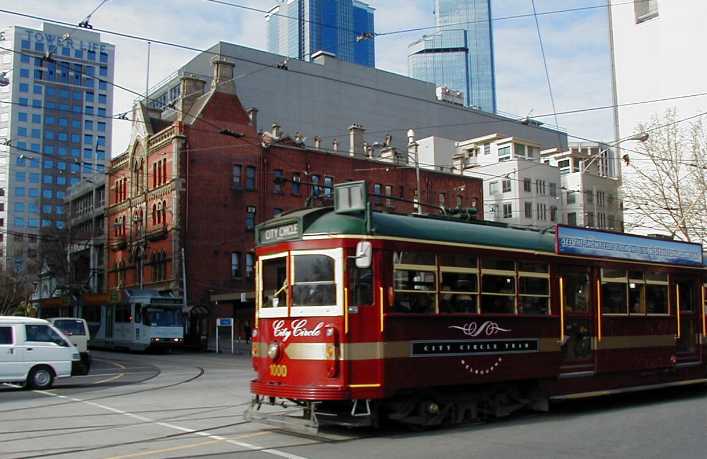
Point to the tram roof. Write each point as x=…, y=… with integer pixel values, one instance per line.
x=325, y=221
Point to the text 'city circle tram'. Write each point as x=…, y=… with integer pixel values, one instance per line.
x=364, y=316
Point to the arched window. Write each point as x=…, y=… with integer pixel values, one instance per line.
x=164, y=212
x=154, y=214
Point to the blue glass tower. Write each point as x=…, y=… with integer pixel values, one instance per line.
x=459, y=55
x=344, y=28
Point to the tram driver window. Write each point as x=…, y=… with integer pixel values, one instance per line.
x=360, y=284
x=274, y=283
x=414, y=282
x=314, y=281
x=576, y=291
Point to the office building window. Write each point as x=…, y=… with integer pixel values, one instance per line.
x=329, y=186
x=504, y=153
x=249, y=264
x=528, y=209
x=277, y=185
x=590, y=219
x=506, y=185
x=236, y=171
x=235, y=264
x=527, y=186
x=250, y=178
x=553, y=190
x=296, y=184
x=24, y=73
x=493, y=187
x=508, y=210
x=250, y=218
x=315, y=185
x=645, y=10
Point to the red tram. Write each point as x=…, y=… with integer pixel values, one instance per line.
x=364, y=315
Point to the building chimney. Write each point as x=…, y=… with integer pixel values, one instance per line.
x=276, y=131
x=317, y=142
x=253, y=116
x=190, y=88
x=223, y=73
x=356, y=139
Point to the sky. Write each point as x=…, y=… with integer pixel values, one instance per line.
x=576, y=47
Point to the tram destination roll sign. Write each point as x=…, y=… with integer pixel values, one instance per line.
x=283, y=232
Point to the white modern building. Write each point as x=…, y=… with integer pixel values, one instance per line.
x=526, y=185
x=590, y=195
x=654, y=46
x=518, y=188
x=55, y=127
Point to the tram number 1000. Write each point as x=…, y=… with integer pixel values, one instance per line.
x=278, y=370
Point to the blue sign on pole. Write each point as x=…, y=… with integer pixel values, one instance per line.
x=225, y=322
x=596, y=243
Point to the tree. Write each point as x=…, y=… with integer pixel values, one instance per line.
x=15, y=290
x=665, y=188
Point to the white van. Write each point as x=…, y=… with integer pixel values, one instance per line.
x=34, y=352
x=76, y=329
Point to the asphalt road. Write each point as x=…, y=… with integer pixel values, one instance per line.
x=191, y=405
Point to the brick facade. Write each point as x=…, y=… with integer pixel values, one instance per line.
x=211, y=183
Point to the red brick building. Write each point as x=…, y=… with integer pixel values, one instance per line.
x=198, y=176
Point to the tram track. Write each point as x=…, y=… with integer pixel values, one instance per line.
x=200, y=372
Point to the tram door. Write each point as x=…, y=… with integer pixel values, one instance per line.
x=686, y=301
x=363, y=325
x=578, y=310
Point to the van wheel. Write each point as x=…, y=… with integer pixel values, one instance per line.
x=40, y=378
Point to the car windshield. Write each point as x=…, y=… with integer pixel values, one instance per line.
x=70, y=327
x=162, y=317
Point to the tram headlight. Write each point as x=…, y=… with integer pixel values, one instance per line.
x=274, y=350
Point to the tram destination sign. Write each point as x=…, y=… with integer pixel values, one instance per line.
x=282, y=232
x=604, y=244
x=473, y=347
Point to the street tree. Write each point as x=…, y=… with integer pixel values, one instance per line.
x=665, y=189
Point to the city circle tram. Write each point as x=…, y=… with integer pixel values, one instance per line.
x=363, y=316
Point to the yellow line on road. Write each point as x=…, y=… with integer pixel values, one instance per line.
x=193, y=445
x=118, y=376
x=123, y=367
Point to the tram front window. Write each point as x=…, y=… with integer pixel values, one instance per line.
x=162, y=317
x=274, y=282
x=314, y=281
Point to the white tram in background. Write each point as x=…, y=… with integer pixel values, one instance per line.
x=144, y=319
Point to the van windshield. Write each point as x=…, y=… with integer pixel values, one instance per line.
x=70, y=327
x=162, y=317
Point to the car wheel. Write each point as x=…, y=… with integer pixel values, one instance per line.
x=40, y=378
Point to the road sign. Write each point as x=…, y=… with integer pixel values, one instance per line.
x=224, y=322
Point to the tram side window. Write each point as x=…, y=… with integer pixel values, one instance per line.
x=138, y=313
x=533, y=288
x=122, y=313
x=458, y=283
x=576, y=290
x=656, y=293
x=415, y=282
x=498, y=286
x=314, y=282
x=274, y=283
x=613, y=291
x=360, y=284
x=636, y=292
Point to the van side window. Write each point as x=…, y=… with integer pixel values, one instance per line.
x=6, y=335
x=42, y=334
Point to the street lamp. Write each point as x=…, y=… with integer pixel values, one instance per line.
x=640, y=137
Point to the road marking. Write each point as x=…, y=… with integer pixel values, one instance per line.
x=250, y=446
x=165, y=450
x=213, y=439
x=113, y=378
x=122, y=367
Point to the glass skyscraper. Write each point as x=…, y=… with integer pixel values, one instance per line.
x=459, y=54
x=344, y=28
x=55, y=128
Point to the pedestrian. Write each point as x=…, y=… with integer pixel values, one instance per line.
x=247, y=331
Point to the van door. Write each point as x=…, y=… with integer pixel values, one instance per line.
x=11, y=366
x=44, y=345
